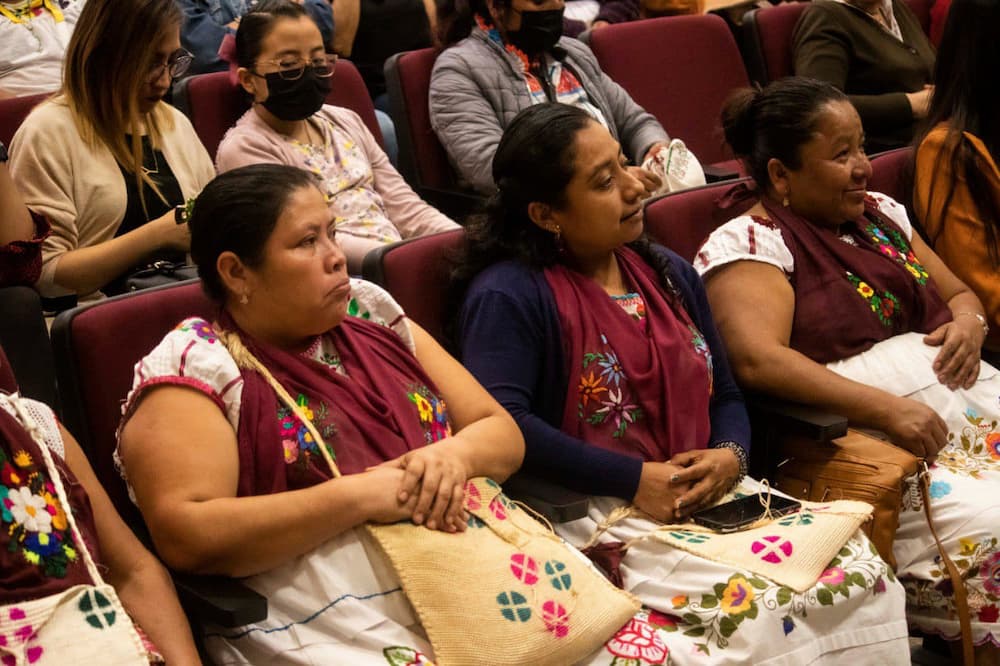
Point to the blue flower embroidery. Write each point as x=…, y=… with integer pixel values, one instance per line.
x=611, y=368
x=939, y=489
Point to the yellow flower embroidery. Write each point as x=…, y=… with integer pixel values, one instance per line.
x=22, y=459
x=424, y=408
x=865, y=290
x=679, y=601
x=737, y=596
x=968, y=546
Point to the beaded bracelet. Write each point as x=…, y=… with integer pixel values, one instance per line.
x=741, y=456
x=981, y=318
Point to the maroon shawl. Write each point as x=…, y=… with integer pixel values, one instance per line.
x=642, y=386
x=38, y=563
x=384, y=407
x=849, y=295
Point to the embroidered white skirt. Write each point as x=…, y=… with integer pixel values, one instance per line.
x=723, y=615
x=965, y=489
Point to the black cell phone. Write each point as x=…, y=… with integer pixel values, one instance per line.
x=738, y=513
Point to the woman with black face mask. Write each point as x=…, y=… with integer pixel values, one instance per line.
x=283, y=66
x=503, y=56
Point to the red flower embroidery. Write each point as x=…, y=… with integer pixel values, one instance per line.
x=638, y=640
x=989, y=613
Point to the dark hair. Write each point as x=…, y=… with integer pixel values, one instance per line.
x=237, y=213
x=775, y=122
x=457, y=17
x=967, y=99
x=535, y=162
x=258, y=23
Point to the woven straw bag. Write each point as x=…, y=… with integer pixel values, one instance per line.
x=531, y=598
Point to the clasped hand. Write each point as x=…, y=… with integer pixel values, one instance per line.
x=428, y=485
x=689, y=481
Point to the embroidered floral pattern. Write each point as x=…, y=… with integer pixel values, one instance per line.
x=23, y=633
x=701, y=346
x=892, y=244
x=639, y=642
x=199, y=327
x=296, y=440
x=432, y=412
x=405, y=656
x=354, y=309
x=719, y=614
x=33, y=515
x=884, y=305
x=605, y=397
x=633, y=305
x=978, y=562
x=972, y=450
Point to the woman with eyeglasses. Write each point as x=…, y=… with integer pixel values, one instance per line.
x=106, y=160
x=285, y=69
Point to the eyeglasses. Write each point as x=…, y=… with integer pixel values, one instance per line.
x=177, y=65
x=292, y=68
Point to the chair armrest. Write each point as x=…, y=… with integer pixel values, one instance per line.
x=556, y=503
x=715, y=174
x=456, y=204
x=219, y=600
x=802, y=420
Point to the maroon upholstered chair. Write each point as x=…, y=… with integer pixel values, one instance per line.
x=891, y=174
x=767, y=41
x=679, y=68
x=214, y=102
x=96, y=348
x=922, y=10
x=683, y=220
x=8, y=383
x=422, y=159
x=415, y=272
x=13, y=111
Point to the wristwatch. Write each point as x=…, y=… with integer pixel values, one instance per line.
x=182, y=212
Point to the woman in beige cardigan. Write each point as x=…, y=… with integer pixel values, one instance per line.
x=106, y=161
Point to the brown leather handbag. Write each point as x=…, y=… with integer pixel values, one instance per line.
x=856, y=467
x=862, y=467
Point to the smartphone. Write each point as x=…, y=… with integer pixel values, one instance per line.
x=738, y=513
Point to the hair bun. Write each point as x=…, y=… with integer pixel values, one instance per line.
x=739, y=121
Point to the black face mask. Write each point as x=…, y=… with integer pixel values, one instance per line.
x=298, y=99
x=539, y=31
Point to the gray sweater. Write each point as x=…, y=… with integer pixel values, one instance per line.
x=476, y=90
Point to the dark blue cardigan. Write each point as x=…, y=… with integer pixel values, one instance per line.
x=510, y=339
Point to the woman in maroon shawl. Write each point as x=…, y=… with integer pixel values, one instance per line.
x=39, y=556
x=826, y=296
x=603, y=348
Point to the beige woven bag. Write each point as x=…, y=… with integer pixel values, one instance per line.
x=507, y=587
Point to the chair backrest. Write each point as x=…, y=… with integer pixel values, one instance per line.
x=96, y=348
x=25, y=339
x=13, y=111
x=767, y=41
x=415, y=272
x=8, y=383
x=891, y=175
x=214, y=102
x=422, y=159
x=679, y=68
x=683, y=220
x=922, y=10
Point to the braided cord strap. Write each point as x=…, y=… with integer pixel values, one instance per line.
x=245, y=359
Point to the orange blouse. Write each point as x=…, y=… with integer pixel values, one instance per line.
x=958, y=235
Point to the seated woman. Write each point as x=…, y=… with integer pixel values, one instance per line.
x=286, y=70
x=825, y=296
x=41, y=554
x=21, y=233
x=107, y=161
x=240, y=487
x=603, y=349
x=957, y=182
x=507, y=55
x=876, y=52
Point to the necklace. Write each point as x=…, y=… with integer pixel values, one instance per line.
x=156, y=165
